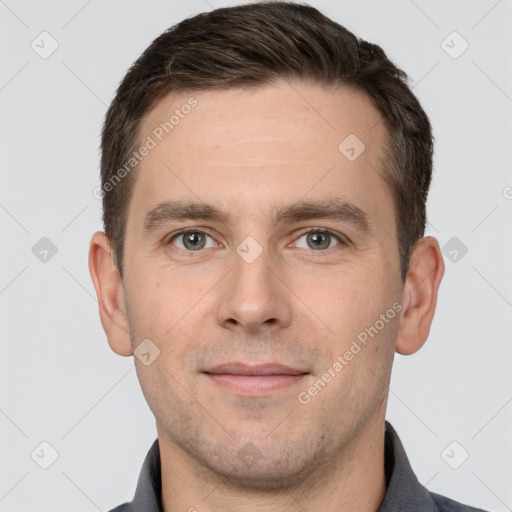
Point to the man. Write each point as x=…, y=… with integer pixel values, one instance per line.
x=264, y=177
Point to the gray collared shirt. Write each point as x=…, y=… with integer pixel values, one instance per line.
x=404, y=492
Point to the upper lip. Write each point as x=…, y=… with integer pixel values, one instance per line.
x=260, y=369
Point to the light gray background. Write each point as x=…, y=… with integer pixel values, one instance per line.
x=61, y=383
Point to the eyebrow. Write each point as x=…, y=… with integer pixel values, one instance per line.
x=336, y=209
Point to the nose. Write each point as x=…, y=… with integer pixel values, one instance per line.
x=254, y=296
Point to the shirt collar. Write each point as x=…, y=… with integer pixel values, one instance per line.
x=148, y=494
x=404, y=491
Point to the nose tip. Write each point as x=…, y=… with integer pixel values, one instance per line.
x=253, y=299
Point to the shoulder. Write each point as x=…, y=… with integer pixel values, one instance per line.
x=445, y=504
x=125, y=507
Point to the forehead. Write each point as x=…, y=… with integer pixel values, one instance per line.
x=265, y=116
x=249, y=149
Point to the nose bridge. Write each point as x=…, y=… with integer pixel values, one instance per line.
x=253, y=298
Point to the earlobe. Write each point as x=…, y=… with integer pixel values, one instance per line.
x=426, y=269
x=110, y=293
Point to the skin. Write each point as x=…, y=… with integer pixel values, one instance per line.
x=248, y=152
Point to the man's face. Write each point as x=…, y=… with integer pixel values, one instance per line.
x=247, y=289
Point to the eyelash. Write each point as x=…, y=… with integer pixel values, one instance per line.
x=341, y=239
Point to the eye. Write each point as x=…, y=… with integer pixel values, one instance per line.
x=194, y=240
x=191, y=240
x=319, y=239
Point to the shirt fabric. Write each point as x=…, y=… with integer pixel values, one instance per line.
x=404, y=491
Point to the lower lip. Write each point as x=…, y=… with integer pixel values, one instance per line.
x=255, y=384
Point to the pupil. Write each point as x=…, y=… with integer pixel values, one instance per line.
x=319, y=239
x=193, y=238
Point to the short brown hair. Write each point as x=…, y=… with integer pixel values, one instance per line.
x=252, y=45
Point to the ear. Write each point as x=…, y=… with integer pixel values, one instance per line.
x=109, y=289
x=419, y=298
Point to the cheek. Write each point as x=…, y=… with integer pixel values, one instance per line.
x=161, y=292
x=174, y=313
x=346, y=300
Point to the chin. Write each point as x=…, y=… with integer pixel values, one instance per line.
x=264, y=478
x=250, y=469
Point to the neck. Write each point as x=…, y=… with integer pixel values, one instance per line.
x=352, y=480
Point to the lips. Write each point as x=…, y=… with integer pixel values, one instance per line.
x=255, y=380
x=260, y=369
